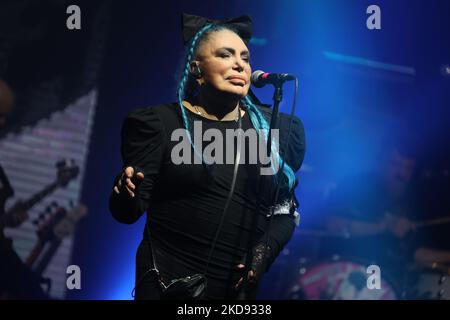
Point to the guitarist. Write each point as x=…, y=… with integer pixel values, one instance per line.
x=17, y=281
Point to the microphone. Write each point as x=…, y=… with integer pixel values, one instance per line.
x=260, y=78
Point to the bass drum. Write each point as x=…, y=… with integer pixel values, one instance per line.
x=339, y=279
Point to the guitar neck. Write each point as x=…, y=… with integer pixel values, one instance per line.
x=26, y=205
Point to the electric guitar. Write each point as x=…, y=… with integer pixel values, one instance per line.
x=15, y=216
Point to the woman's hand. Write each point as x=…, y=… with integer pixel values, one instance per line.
x=251, y=277
x=125, y=183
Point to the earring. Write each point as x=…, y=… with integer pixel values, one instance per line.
x=196, y=72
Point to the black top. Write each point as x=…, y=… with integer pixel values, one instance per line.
x=185, y=201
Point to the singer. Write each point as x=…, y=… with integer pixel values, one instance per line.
x=207, y=218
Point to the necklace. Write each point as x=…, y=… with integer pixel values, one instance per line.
x=198, y=111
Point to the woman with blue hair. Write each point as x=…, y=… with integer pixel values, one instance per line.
x=207, y=217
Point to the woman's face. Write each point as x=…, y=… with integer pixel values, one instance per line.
x=224, y=61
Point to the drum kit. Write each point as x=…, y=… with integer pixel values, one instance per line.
x=340, y=277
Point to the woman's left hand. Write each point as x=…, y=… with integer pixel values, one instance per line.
x=251, y=277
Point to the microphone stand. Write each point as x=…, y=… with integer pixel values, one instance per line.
x=277, y=97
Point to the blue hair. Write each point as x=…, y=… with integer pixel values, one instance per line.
x=261, y=125
x=257, y=119
x=181, y=91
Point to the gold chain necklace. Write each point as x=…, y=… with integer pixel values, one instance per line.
x=202, y=114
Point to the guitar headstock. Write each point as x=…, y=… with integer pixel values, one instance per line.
x=67, y=171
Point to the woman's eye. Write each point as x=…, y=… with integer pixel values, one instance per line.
x=225, y=55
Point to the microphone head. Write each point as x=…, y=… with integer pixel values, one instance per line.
x=255, y=78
